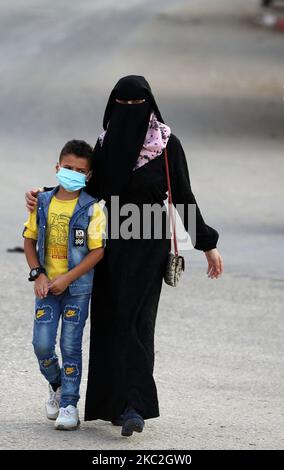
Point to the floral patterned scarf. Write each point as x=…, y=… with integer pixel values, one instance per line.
x=155, y=141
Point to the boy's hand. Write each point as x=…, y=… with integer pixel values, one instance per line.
x=41, y=286
x=215, y=263
x=31, y=198
x=59, y=284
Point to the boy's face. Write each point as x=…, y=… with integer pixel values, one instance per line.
x=72, y=162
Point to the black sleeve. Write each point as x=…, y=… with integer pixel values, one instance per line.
x=206, y=237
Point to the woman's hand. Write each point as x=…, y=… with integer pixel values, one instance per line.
x=31, y=198
x=59, y=284
x=41, y=286
x=215, y=263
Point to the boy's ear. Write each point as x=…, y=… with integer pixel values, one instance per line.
x=57, y=167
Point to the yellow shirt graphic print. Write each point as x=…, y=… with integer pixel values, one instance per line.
x=57, y=233
x=56, y=242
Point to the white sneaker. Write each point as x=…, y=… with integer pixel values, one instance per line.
x=68, y=419
x=52, y=404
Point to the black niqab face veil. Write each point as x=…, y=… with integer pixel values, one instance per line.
x=126, y=126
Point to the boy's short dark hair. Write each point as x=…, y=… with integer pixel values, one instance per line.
x=80, y=148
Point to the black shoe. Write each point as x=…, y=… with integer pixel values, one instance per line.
x=118, y=421
x=133, y=421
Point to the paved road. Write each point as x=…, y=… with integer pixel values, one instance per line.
x=218, y=78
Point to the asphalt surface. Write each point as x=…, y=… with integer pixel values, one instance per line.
x=218, y=78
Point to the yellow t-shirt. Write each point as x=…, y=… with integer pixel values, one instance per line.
x=56, y=242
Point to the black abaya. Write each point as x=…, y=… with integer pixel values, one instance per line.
x=127, y=286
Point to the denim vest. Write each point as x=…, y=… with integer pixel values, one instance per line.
x=77, y=237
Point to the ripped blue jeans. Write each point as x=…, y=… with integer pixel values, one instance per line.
x=73, y=310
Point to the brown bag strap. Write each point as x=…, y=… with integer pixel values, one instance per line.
x=171, y=215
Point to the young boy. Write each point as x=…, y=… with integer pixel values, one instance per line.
x=68, y=227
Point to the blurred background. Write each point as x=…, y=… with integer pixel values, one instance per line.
x=217, y=71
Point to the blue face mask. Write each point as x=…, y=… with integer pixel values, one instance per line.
x=71, y=180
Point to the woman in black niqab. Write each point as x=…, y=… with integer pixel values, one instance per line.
x=128, y=281
x=126, y=127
